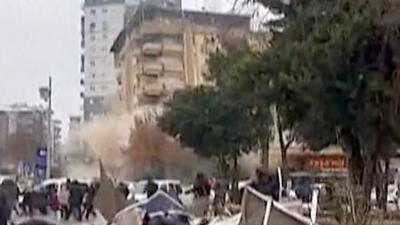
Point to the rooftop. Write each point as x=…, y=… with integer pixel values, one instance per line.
x=90, y=3
x=22, y=107
x=149, y=12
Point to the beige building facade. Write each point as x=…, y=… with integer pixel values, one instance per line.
x=160, y=51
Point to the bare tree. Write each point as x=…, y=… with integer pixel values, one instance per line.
x=155, y=153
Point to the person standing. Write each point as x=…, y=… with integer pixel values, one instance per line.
x=64, y=201
x=75, y=201
x=27, y=202
x=88, y=204
x=54, y=202
x=151, y=188
x=3, y=209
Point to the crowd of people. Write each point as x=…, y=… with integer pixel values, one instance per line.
x=73, y=199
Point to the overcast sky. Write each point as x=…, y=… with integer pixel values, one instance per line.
x=40, y=38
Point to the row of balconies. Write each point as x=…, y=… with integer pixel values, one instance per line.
x=158, y=48
x=160, y=68
x=162, y=87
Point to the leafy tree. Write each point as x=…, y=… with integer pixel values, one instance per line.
x=230, y=70
x=213, y=125
x=330, y=71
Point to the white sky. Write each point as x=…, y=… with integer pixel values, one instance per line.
x=40, y=38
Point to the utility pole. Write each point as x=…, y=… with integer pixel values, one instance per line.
x=46, y=95
x=49, y=131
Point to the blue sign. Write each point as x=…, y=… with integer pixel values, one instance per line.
x=41, y=158
x=41, y=163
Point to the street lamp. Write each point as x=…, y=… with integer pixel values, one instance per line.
x=46, y=95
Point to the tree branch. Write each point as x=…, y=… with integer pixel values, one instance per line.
x=289, y=142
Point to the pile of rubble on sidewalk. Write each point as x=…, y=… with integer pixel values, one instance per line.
x=162, y=208
x=256, y=208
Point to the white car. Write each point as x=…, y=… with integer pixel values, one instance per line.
x=137, y=189
x=7, y=177
x=59, y=182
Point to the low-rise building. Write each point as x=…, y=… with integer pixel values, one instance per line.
x=23, y=129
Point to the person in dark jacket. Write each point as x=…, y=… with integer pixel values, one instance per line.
x=11, y=191
x=266, y=183
x=3, y=209
x=75, y=200
x=88, y=204
x=122, y=188
x=27, y=202
x=40, y=201
x=151, y=187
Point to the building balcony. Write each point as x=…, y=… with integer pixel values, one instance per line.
x=153, y=69
x=148, y=79
x=155, y=90
x=152, y=49
x=172, y=48
x=173, y=67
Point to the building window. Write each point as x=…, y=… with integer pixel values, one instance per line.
x=92, y=27
x=82, y=63
x=91, y=101
x=105, y=26
x=93, y=75
x=93, y=11
x=105, y=36
x=92, y=63
x=104, y=87
x=105, y=10
x=93, y=37
x=104, y=48
x=92, y=88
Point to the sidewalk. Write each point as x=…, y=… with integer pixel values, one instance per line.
x=52, y=218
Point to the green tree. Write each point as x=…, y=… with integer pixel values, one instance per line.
x=230, y=70
x=330, y=72
x=213, y=125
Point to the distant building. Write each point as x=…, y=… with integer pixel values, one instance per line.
x=75, y=122
x=23, y=129
x=161, y=50
x=56, y=140
x=101, y=22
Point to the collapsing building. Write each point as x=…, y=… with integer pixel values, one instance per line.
x=162, y=50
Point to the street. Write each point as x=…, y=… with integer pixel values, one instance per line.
x=51, y=218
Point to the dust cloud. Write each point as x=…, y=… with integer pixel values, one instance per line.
x=131, y=146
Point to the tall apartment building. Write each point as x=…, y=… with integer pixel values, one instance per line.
x=161, y=50
x=101, y=23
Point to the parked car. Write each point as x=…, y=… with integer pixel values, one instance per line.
x=7, y=177
x=57, y=183
x=137, y=189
